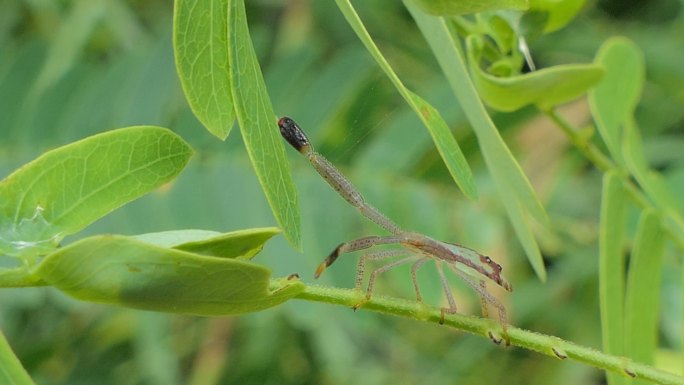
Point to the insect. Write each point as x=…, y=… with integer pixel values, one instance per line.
x=474, y=268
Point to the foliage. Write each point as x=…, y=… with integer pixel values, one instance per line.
x=83, y=68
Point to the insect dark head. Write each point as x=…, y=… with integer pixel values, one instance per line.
x=495, y=274
x=293, y=134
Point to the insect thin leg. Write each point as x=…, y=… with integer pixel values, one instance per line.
x=447, y=290
x=485, y=296
x=355, y=245
x=374, y=275
x=414, y=270
x=483, y=301
x=374, y=257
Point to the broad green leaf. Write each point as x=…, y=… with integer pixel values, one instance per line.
x=642, y=301
x=611, y=267
x=200, y=44
x=514, y=187
x=66, y=189
x=558, y=12
x=124, y=271
x=614, y=99
x=441, y=135
x=18, y=277
x=545, y=88
x=258, y=126
x=460, y=7
x=11, y=370
x=243, y=244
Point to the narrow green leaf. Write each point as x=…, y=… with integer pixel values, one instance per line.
x=611, y=267
x=649, y=180
x=546, y=88
x=441, y=135
x=642, y=303
x=66, y=189
x=513, y=185
x=613, y=102
x=258, y=126
x=200, y=45
x=460, y=7
x=446, y=144
x=11, y=370
x=614, y=99
x=523, y=231
x=125, y=271
x=621, y=117
x=242, y=244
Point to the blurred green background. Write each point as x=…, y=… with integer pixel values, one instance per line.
x=69, y=69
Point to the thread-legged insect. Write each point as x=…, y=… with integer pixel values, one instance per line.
x=474, y=268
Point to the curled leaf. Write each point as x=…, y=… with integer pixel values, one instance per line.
x=545, y=88
x=128, y=272
x=242, y=244
x=557, y=13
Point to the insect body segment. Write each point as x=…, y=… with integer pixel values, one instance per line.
x=473, y=267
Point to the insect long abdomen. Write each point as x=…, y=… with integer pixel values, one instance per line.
x=297, y=139
x=335, y=179
x=347, y=191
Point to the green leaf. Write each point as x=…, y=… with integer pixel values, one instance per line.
x=243, y=244
x=18, y=277
x=614, y=99
x=258, y=126
x=460, y=7
x=11, y=371
x=514, y=187
x=446, y=144
x=200, y=44
x=546, y=88
x=173, y=238
x=558, y=12
x=611, y=267
x=642, y=302
x=66, y=189
x=649, y=180
x=523, y=231
x=441, y=135
x=125, y=271
x=613, y=108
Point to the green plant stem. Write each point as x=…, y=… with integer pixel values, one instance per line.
x=548, y=345
x=590, y=151
x=604, y=164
